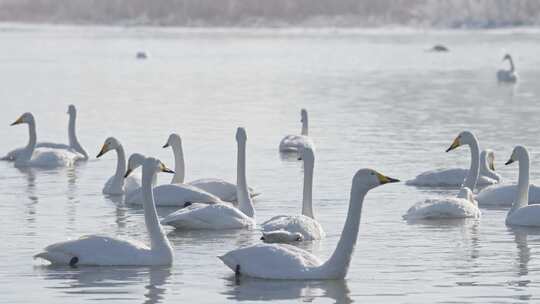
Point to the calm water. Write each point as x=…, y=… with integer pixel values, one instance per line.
x=376, y=99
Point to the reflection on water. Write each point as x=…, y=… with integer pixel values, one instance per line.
x=251, y=289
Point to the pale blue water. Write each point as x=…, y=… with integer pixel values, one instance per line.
x=376, y=99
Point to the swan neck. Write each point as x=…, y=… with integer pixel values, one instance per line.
x=72, y=136
x=307, y=204
x=523, y=182
x=179, y=165
x=244, y=200
x=305, y=127
x=158, y=240
x=338, y=263
x=32, y=139
x=472, y=176
x=120, y=164
x=512, y=68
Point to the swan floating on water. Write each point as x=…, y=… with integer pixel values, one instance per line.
x=224, y=190
x=44, y=157
x=293, y=143
x=305, y=224
x=439, y=48
x=521, y=213
x=462, y=206
x=118, y=184
x=220, y=215
x=507, y=75
x=286, y=262
x=455, y=177
x=73, y=146
x=170, y=195
x=96, y=250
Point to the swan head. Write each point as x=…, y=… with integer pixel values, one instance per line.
x=135, y=161
x=370, y=178
x=507, y=57
x=466, y=193
x=517, y=154
x=25, y=118
x=174, y=139
x=153, y=164
x=71, y=110
x=110, y=143
x=488, y=156
x=241, y=135
x=306, y=154
x=303, y=114
x=464, y=138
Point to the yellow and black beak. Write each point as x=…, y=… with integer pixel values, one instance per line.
x=454, y=145
x=385, y=179
x=508, y=162
x=103, y=150
x=164, y=169
x=492, y=165
x=166, y=145
x=128, y=172
x=18, y=121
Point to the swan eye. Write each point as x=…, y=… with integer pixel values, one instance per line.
x=372, y=173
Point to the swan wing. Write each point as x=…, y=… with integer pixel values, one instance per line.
x=308, y=227
x=293, y=143
x=96, y=250
x=440, y=177
x=271, y=261
x=50, y=158
x=204, y=216
x=175, y=195
x=442, y=208
x=525, y=216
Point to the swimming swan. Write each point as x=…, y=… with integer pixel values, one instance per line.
x=117, y=184
x=463, y=205
x=171, y=195
x=292, y=143
x=220, y=216
x=507, y=75
x=73, y=146
x=224, y=190
x=305, y=224
x=281, y=236
x=521, y=213
x=286, y=262
x=30, y=156
x=455, y=177
x=96, y=250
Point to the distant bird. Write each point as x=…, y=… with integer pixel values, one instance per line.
x=509, y=76
x=439, y=48
x=141, y=55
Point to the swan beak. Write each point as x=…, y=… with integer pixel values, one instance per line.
x=492, y=166
x=18, y=121
x=165, y=169
x=454, y=145
x=509, y=162
x=166, y=145
x=103, y=150
x=128, y=172
x=385, y=179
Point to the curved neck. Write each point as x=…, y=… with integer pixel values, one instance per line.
x=522, y=198
x=179, y=166
x=31, y=140
x=120, y=164
x=72, y=137
x=307, y=205
x=511, y=64
x=244, y=200
x=474, y=170
x=305, y=126
x=338, y=264
x=158, y=239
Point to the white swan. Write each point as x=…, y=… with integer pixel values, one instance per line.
x=220, y=216
x=521, y=213
x=73, y=146
x=171, y=195
x=286, y=262
x=462, y=206
x=224, y=190
x=117, y=184
x=455, y=177
x=281, y=236
x=305, y=224
x=292, y=143
x=31, y=156
x=96, y=250
x=507, y=75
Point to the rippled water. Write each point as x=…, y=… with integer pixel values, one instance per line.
x=376, y=99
